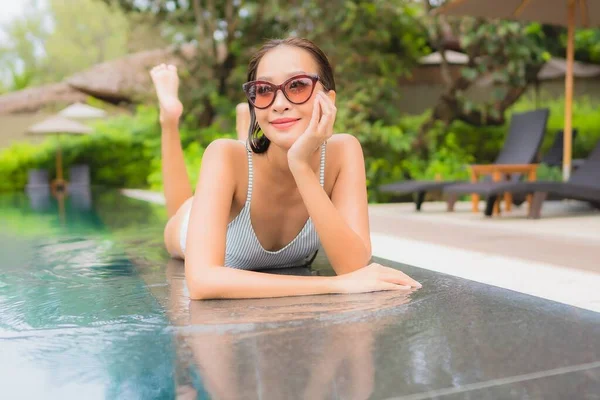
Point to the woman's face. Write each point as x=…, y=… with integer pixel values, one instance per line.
x=283, y=121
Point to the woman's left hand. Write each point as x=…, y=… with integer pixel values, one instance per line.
x=317, y=132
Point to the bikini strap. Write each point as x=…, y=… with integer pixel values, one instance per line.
x=250, y=175
x=251, y=171
x=322, y=170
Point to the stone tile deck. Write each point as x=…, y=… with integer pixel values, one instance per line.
x=567, y=235
x=556, y=257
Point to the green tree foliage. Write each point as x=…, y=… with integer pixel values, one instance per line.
x=57, y=38
x=21, y=53
x=370, y=43
x=587, y=45
x=507, y=54
x=86, y=32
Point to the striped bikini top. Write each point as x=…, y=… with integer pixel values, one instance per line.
x=244, y=251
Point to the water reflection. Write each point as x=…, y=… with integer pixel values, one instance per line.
x=450, y=334
x=307, y=347
x=42, y=198
x=75, y=319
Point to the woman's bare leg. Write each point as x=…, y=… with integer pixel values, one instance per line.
x=176, y=184
x=172, y=232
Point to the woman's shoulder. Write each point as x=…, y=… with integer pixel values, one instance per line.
x=230, y=157
x=344, y=153
x=343, y=145
x=226, y=149
x=226, y=145
x=343, y=140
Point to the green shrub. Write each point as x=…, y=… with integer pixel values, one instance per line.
x=16, y=160
x=586, y=119
x=119, y=153
x=123, y=151
x=451, y=150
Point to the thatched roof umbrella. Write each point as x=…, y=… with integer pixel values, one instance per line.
x=556, y=68
x=80, y=111
x=569, y=13
x=452, y=57
x=58, y=125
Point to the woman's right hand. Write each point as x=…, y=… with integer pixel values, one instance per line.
x=373, y=278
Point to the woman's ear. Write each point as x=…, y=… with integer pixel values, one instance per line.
x=331, y=95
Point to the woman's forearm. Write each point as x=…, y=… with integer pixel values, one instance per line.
x=217, y=282
x=345, y=249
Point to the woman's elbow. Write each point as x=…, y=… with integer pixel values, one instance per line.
x=352, y=266
x=200, y=286
x=196, y=290
x=197, y=293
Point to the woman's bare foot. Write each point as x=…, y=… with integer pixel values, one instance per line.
x=166, y=83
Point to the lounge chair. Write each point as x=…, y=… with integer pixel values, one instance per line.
x=583, y=185
x=80, y=187
x=79, y=176
x=522, y=144
x=554, y=156
x=38, y=189
x=37, y=179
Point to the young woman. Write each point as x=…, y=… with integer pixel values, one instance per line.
x=273, y=201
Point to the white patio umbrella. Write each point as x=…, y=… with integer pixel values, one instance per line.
x=569, y=13
x=453, y=57
x=80, y=111
x=58, y=125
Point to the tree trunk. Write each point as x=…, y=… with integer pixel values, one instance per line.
x=208, y=113
x=449, y=109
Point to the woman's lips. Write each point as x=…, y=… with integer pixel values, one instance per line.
x=284, y=123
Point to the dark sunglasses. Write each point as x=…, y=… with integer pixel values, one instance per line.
x=297, y=90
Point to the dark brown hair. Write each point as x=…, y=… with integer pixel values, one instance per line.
x=259, y=143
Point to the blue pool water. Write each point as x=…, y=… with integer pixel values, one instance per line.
x=76, y=319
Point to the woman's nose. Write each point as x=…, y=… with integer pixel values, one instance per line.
x=281, y=103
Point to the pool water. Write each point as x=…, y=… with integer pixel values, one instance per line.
x=91, y=306
x=76, y=320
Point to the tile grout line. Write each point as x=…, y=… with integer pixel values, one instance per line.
x=500, y=382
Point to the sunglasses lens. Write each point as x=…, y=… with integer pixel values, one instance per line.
x=299, y=90
x=260, y=94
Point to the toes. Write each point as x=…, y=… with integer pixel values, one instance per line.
x=160, y=70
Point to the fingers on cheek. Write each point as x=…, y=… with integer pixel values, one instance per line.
x=325, y=104
x=325, y=123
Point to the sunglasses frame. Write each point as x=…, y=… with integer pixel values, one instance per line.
x=313, y=77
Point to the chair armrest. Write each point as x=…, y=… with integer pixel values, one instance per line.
x=488, y=169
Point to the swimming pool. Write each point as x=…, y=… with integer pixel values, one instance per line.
x=92, y=307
